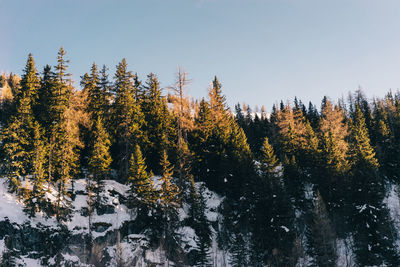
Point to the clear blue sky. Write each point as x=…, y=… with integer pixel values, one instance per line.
x=261, y=50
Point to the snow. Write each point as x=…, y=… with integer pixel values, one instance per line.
x=361, y=208
x=12, y=208
x=212, y=200
x=134, y=247
x=285, y=228
x=393, y=203
x=121, y=213
x=157, y=182
x=2, y=247
x=189, y=237
x=28, y=262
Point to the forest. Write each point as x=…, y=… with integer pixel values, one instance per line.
x=293, y=181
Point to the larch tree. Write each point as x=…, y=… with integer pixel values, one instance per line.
x=185, y=123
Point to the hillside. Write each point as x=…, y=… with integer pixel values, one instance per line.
x=120, y=172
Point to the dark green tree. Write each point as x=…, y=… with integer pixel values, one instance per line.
x=322, y=237
x=18, y=136
x=268, y=162
x=374, y=241
x=140, y=180
x=35, y=200
x=169, y=201
x=100, y=159
x=158, y=127
x=127, y=119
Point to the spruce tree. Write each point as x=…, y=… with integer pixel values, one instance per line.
x=18, y=136
x=198, y=221
x=140, y=180
x=220, y=144
x=322, y=237
x=158, y=127
x=15, y=140
x=268, y=162
x=169, y=192
x=127, y=119
x=169, y=201
x=374, y=245
x=200, y=143
x=100, y=159
x=63, y=137
x=45, y=98
x=35, y=200
x=271, y=243
x=96, y=88
x=29, y=86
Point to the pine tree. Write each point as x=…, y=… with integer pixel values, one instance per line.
x=383, y=138
x=139, y=179
x=198, y=221
x=100, y=159
x=158, y=128
x=271, y=244
x=15, y=139
x=61, y=91
x=269, y=162
x=18, y=137
x=105, y=89
x=169, y=192
x=200, y=143
x=239, y=154
x=322, y=236
x=45, y=98
x=220, y=144
x=127, y=119
x=96, y=91
x=239, y=116
x=29, y=86
x=369, y=216
x=63, y=135
x=169, y=201
x=35, y=200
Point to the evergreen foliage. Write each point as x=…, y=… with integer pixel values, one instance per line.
x=298, y=178
x=127, y=119
x=322, y=237
x=158, y=123
x=100, y=159
x=139, y=179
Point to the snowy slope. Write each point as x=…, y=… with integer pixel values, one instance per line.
x=130, y=250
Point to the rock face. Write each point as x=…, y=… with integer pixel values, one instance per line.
x=109, y=234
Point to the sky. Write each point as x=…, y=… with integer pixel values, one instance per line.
x=262, y=51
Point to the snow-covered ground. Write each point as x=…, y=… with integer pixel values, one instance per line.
x=131, y=248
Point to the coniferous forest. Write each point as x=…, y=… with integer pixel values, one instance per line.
x=305, y=184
